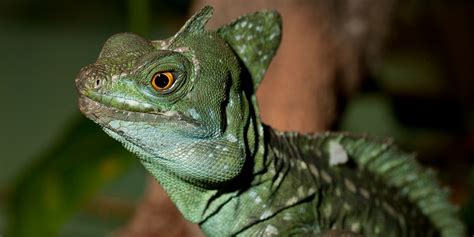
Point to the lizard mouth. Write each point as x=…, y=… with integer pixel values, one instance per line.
x=99, y=109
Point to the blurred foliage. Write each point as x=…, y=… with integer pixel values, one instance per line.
x=468, y=208
x=56, y=185
x=139, y=15
x=422, y=92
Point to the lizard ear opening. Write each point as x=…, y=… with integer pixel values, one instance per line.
x=255, y=38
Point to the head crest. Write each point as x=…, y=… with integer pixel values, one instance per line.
x=196, y=23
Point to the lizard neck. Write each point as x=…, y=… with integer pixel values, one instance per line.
x=281, y=183
x=198, y=203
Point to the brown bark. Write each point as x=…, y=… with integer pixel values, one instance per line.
x=157, y=216
x=326, y=47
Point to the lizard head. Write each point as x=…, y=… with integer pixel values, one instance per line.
x=183, y=105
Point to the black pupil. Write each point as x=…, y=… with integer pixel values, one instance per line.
x=161, y=81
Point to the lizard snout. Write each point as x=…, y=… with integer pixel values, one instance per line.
x=91, y=77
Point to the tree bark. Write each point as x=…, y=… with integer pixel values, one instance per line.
x=326, y=49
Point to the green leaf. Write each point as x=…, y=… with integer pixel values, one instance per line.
x=47, y=194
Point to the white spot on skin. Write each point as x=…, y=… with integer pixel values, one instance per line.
x=272, y=36
x=314, y=170
x=242, y=48
x=114, y=124
x=303, y=165
x=287, y=216
x=258, y=200
x=271, y=230
x=194, y=114
x=115, y=77
x=231, y=138
x=182, y=49
x=346, y=206
x=161, y=43
x=238, y=37
x=278, y=179
x=213, y=114
x=350, y=185
x=262, y=151
x=291, y=201
x=337, y=154
x=326, y=176
x=171, y=113
x=211, y=155
x=301, y=191
x=253, y=194
x=266, y=214
x=328, y=210
x=259, y=28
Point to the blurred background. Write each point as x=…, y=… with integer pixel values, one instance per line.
x=61, y=176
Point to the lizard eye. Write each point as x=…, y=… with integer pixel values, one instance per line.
x=162, y=81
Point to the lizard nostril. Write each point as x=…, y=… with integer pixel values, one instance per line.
x=97, y=83
x=91, y=77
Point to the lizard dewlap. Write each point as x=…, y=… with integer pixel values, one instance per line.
x=186, y=107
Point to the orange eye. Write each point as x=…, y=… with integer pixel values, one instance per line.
x=162, y=81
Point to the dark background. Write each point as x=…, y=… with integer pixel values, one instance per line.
x=421, y=93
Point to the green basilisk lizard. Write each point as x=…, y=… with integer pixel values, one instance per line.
x=186, y=107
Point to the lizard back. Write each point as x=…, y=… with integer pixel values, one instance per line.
x=376, y=175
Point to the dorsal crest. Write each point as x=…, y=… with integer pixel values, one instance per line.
x=255, y=39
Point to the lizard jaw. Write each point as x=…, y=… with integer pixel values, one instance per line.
x=103, y=113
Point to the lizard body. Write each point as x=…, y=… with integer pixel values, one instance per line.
x=187, y=107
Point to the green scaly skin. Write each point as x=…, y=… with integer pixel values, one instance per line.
x=202, y=139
